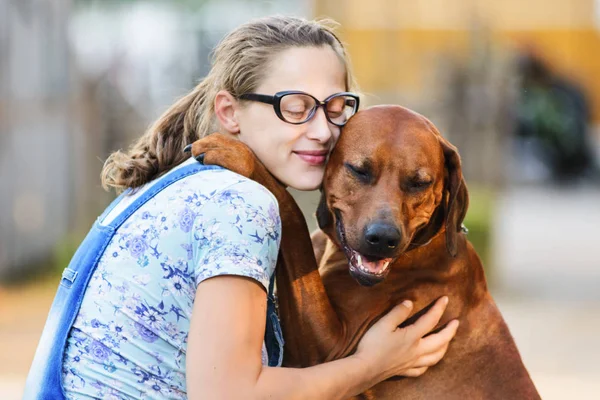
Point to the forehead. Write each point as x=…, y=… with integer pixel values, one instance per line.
x=395, y=135
x=315, y=70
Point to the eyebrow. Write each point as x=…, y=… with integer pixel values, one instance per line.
x=366, y=163
x=422, y=174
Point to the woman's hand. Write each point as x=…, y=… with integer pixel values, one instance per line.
x=404, y=351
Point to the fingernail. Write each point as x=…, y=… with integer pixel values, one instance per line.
x=445, y=300
x=407, y=303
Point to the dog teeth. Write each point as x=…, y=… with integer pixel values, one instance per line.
x=387, y=263
x=360, y=266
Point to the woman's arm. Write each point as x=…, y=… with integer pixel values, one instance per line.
x=225, y=342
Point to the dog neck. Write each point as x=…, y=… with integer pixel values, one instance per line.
x=421, y=275
x=429, y=272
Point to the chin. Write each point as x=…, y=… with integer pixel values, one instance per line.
x=305, y=186
x=305, y=180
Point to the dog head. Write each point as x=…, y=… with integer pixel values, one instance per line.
x=391, y=184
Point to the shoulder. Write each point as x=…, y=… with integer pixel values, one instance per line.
x=237, y=231
x=223, y=186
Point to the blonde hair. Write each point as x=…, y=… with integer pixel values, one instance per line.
x=238, y=65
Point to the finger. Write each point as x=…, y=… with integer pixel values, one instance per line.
x=431, y=318
x=414, y=372
x=397, y=315
x=431, y=359
x=434, y=342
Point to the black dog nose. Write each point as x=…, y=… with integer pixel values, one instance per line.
x=381, y=237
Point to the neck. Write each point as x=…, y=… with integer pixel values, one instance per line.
x=426, y=273
x=422, y=275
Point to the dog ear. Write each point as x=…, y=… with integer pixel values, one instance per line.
x=457, y=197
x=324, y=217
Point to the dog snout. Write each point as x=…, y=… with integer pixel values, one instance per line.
x=382, y=239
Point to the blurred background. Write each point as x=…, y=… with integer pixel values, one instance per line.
x=513, y=84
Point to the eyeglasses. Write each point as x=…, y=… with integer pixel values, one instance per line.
x=297, y=107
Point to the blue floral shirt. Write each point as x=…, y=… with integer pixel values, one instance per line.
x=129, y=339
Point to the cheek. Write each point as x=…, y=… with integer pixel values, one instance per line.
x=421, y=210
x=335, y=133
x=266, y=134
x=340, y=186
x=351, y=199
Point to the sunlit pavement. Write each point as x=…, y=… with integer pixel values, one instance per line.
x=547, y=285
x=11, y=387
x=559, y=343
x=22, y=315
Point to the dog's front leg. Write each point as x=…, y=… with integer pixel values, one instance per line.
x=312, y=329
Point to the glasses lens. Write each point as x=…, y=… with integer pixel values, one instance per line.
x=297, y=108
x=340, y=109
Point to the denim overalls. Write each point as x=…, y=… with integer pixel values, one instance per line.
x=44, y=381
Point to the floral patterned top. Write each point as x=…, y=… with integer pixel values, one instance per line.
x=129, y=339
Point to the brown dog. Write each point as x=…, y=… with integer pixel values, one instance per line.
x=390, y=216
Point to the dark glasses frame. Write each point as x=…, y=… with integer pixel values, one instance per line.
x=275, y=100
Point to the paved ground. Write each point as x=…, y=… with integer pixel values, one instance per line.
x=547, y=285
x=22, y=315
x=547, y=242
x=559, y=344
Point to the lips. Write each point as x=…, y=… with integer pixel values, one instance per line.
x=366, y=270
x=313, y=157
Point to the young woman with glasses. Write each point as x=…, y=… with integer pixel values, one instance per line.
x=167, y=296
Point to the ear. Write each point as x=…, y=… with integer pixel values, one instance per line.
x=324, y=217
x=225, y=110
x=457, y=196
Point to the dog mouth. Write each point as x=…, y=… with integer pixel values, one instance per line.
x=367, y=270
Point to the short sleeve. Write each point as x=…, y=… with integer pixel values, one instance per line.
x=238, y=233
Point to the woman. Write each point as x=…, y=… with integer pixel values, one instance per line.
x=179, y=266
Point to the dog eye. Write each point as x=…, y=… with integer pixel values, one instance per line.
x=363, y=174
x=419, y=185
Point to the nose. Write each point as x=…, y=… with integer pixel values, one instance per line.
x=381, y=239
x=319, y=128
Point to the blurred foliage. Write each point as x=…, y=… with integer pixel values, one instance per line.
x=45, y=268
x=479, y=223
x=63, y=252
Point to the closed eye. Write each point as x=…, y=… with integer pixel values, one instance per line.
x=419, y=185
x=362, y=174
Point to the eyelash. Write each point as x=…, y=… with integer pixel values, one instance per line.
x=417, y=185
x=362, y=174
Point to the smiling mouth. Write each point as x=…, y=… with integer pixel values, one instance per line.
x=367, y=270
x=312, y=158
